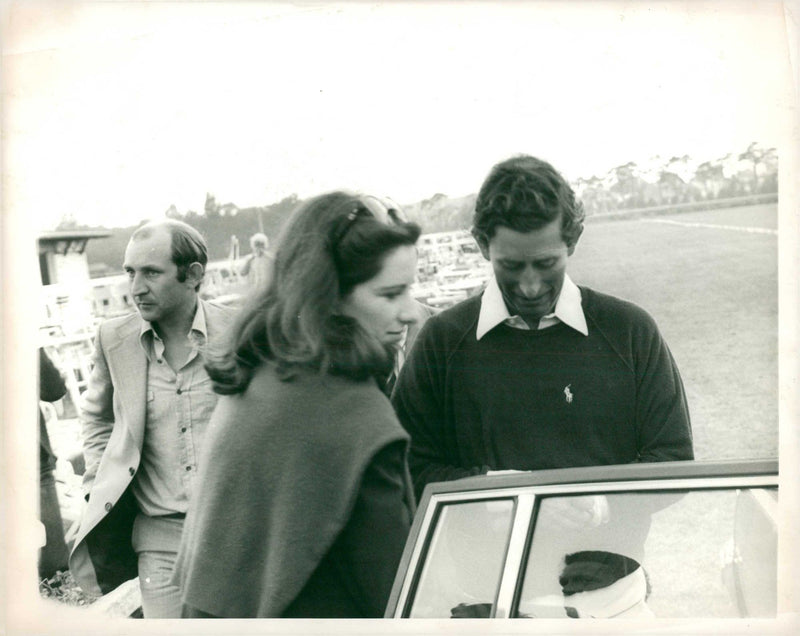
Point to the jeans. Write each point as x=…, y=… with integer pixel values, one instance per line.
x=156, y=541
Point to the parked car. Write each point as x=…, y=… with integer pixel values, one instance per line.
x=640, y=540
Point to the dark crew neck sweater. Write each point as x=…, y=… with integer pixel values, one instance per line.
x=550, y=398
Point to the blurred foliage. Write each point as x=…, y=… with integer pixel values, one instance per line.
x=218, y=224
x=63, y=588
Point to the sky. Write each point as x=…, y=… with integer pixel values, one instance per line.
x=115, y=111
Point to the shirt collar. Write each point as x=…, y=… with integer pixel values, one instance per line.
x=197, y=332
x=568, y=308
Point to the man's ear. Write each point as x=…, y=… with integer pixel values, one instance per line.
x=195, y=273
x=482, y=241
x=571, y=248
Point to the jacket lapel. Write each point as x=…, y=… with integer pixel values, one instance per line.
x=128, y=368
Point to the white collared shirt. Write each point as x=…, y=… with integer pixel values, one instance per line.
x=568, y=310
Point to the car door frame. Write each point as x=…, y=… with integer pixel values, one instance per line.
x=528, y=488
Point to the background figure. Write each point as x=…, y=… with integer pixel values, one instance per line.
x=258, y=264
x=54, y=554
x=144, y=417
x=305, y=502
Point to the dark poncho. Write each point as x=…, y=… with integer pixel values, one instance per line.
x=283, y=484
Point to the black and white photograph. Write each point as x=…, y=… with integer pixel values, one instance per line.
x=363, y=317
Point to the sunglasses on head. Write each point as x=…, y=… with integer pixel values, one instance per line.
x=381, y=209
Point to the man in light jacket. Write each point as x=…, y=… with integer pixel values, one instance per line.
x=144, y=417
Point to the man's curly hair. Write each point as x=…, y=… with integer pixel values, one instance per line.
x=524, y=193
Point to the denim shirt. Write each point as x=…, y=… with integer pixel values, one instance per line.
x=179, y=406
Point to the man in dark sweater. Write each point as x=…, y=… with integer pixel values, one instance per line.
x=536, y=372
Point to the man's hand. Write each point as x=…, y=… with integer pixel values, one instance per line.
x=575, y=513
x=471, y=610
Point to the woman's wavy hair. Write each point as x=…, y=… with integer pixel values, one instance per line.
x=524, y=193
x=328, y=245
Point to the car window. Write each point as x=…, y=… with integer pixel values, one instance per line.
x=705, y=553
x=750, y=556
x=465, y=558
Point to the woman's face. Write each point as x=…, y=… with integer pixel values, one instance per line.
x=383, y=305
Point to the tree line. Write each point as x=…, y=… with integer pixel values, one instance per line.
x=657, y=182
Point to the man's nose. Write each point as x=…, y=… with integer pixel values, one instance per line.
x=137, y=285
x=530, y=283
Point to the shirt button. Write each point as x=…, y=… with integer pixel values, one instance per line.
x=160, y=361
x=108, y=506
x=183, y=429
x=188, y=468
x=131, y=470
x=179, y=391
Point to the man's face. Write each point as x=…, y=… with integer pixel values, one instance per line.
x=529, y=268
x=153, y=279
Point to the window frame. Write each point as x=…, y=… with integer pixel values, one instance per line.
x=528, y=488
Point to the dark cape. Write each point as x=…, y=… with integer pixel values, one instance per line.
x=289, y=490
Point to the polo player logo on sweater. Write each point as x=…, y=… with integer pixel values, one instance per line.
x=568, y=394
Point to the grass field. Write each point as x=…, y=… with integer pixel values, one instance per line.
x=713, y=291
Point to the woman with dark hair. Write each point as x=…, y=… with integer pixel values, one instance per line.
x=305, y=500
